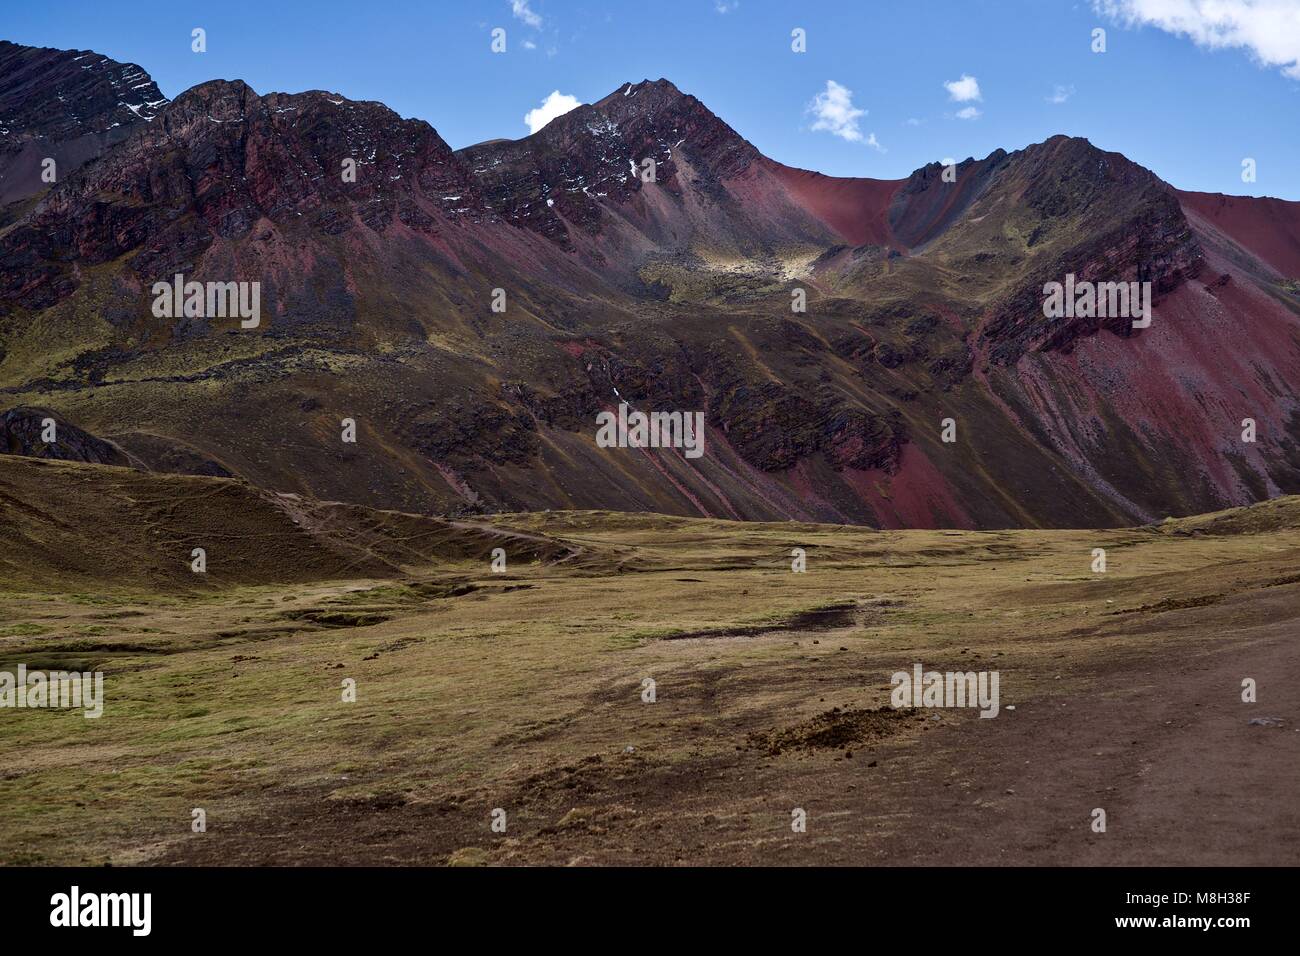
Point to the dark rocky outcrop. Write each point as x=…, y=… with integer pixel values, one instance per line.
x=23, y=430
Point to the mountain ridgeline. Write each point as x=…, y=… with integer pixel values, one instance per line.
x=472, y=311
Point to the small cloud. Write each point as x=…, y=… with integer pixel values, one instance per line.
x=556, y=104
x=835, y=112
x=965, y=90
x=912, y=121
x=969, y=113
x=523, y=12
x=1060, y=94
x=875, y=143
x=723, y=7
x=529, y=45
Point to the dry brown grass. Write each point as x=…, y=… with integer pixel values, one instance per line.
x=523, y=690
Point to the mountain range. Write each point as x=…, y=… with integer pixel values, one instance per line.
x=380, y=252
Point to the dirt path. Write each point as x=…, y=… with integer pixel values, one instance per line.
x=1164, y=746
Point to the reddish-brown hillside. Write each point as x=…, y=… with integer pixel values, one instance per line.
x=1268, y=228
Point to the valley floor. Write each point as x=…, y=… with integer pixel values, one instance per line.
x=523, y=691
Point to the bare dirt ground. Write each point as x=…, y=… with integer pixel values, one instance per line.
x=522, y=691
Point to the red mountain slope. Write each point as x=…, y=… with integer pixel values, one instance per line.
x=1267, y=228
x=857, y=210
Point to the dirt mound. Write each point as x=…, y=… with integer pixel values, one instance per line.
x=834, y=729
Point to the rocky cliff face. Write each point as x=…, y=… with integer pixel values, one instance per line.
x=595, y=156
x=65, y=105
x=1096, y=216
x=221, y=162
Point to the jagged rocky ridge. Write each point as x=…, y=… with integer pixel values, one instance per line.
x=65, y=105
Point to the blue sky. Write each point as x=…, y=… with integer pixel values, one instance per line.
x=1189, y=94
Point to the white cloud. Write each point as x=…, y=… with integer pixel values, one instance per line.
x=875, y=143
x=522, y=11
x=912, y=121
x=1060, y=94
x=556, y=104
x=836, y=113
x=965, y=90
x=969, y=113
x=722, y=6
x=529, y=45
x=1268, y=29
